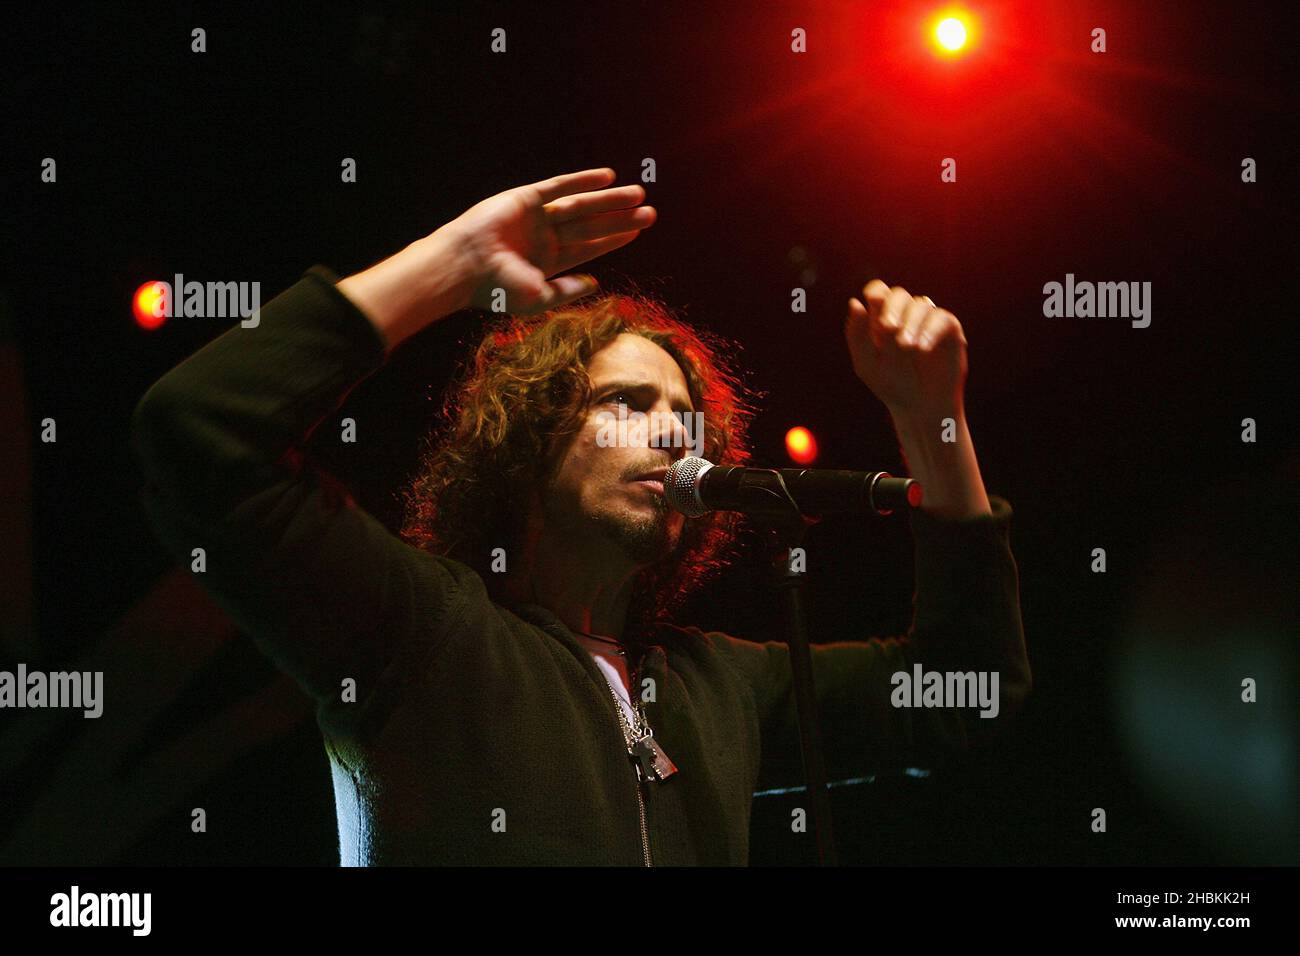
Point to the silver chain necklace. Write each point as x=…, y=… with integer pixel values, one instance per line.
x=651, y=761
x=649, y=758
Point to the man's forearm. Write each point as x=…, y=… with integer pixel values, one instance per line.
x=947, y=470
x=423, y=283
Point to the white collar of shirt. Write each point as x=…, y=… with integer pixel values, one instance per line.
x=616, y=682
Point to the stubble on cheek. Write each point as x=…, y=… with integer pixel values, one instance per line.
x=605, y=502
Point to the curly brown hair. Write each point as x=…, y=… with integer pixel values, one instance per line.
x=515, y=403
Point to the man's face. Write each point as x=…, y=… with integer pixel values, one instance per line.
x=595, y=490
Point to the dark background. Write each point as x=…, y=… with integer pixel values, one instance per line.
x=1116, y=167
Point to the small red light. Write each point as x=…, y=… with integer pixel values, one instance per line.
x=147, y=305
x=800, y=445
x=914, y=495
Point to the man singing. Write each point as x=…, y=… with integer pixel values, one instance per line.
x=500, y=683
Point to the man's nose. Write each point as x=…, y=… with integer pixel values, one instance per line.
x=671, y=433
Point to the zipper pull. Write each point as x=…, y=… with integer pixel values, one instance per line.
x=637, y=765
x=652, y=761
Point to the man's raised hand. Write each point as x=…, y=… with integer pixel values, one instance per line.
x=514, y=241
x=518, y=239
x=910, y=353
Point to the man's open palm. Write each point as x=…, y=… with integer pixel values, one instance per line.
x=518, y=239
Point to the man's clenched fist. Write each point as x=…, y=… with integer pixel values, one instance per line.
x=911, y=354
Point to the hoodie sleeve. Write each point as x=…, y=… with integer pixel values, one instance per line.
x=966, y=620
x=321, y=585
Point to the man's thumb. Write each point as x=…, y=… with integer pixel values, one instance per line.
x=523, y=282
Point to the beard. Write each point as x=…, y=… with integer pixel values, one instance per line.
x=644, y=538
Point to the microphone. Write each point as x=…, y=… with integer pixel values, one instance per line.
x=695, y=487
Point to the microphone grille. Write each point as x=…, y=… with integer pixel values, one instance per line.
x=681, y=482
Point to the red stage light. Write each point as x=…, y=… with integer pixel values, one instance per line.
x=951, y=34
x=953, y=31
x=800, y=445
x=145, y=305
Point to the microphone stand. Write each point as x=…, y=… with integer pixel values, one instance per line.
x=773, y=510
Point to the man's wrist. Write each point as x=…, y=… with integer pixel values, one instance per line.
x=427, y=281
x=941, y=456
x=928, y=425
x=448, y=275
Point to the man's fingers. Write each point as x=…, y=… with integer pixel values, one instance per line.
x=898, y=320
x=566, y=289
x=937, y=325
x=606, y=224
x=942, y=329
x=556, y=293
x=858, y=329
x=557, y=186
x=930, y=327
x=856, y=317
x=576, y=253
x=896, y=303
x=522, y=281
x=874, y=294
x=589, y=204
x=914, y=313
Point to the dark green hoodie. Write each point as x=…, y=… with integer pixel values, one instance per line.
x=482, y=734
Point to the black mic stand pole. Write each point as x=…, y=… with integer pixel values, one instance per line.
x=775, y=512
x=766, y=500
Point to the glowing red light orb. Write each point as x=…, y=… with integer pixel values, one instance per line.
x=147, y=305
x=950, y=34
x=800, y=445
